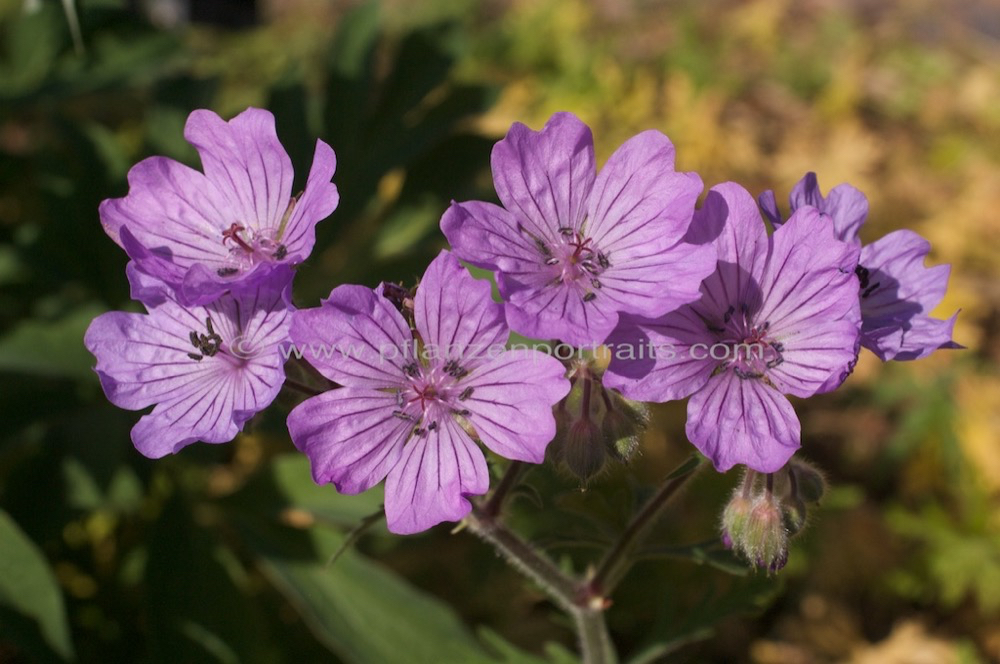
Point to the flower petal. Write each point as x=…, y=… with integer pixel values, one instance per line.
x=661, y=359
x=730, y=220
x=809, y=277
x=638, y=198
x=545, y=177
x=246, y=162
x=350, y=435
x=653, y=280
x=490, y=237
x=456, y=315
x=913, y=340
x=558, y=312
x=817, y=357
x=150, y=359
x=432, y=480
x=511, y=402
x=171, y=208
x=849, y=208
x=355, y=337
x=900, y=294
x=734, y=421
x=906, y=287
x=317, y=202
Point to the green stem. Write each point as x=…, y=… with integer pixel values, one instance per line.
x=559, y=586
x=507, y=483
x=617, y=561
x=595, y=641
x=565, y=590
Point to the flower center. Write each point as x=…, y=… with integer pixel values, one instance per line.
x=745, y=346
x=432, y=395
x=248, y=248
x=207, y=344
x=573, y=260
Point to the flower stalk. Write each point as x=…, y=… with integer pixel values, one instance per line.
x=619, y=558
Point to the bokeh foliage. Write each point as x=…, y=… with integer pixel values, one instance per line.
x=220, y=553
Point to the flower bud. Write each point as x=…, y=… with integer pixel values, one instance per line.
x=735, y=520
x=621, y=425
x=795, y=513
x=562, y=417
x=765, y=541
x=584, y=450
x=809, y=481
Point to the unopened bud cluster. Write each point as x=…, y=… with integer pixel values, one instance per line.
x=595, y=425
x=766, y=511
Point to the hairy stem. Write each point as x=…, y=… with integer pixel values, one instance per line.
x=617, y=561
x=565, y=590
x=559, y=586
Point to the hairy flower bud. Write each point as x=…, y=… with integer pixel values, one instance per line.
x=755, y=523
x=735, y=520
x=621, y=425
x=583, y=449
x=810, y=485
x=795, y=514
x=765, y=542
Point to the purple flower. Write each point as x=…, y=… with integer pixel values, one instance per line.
x=779, y=316
x=207, y=369
x=408, y=416
x=897, y=291
x=572, y=249
x=202, y=234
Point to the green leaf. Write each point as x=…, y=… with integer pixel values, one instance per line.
x=50, y=348
x=28, y=586
x=364, y=613
x=34, y=40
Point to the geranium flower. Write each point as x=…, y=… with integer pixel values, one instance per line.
x=203, y=234
x=207, y=369
x=779, y=316
x=897, y=291
x=407, y=416
x=571, y=248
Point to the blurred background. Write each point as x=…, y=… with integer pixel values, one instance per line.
x=219, y=554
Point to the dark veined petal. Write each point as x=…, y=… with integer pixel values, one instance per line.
x=430, y=484
x=355, y=337
x=730, y=220
x=735, y=421
x=912, y=340
x=150, y=359
x=650, y=280
x=660, y=360
x=811, y=304
x=638, y=198
x=455, y=314
x=544, y=177
x=350, y=435
x=510, y=402
x=490, y=237
x=246, y=162
x=317, y=202
x=809, y=276
x=846, y=205
x=900, y=294
x=559, y=312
